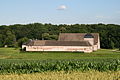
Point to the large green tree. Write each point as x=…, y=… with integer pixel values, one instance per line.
x=12, y=34
x=10, y=39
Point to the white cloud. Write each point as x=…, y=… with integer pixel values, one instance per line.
x=118, y=12
x=102, y=17
x=62, y=7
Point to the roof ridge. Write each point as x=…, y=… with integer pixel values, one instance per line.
x=78, y=33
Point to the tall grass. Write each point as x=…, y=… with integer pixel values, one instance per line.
x=62, y=75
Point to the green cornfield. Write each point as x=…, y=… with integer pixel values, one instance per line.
x=38, y=66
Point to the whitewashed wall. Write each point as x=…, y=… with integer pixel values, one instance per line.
x=85, y=49
x=91, y=40
x=98, y=42
x=95, y=47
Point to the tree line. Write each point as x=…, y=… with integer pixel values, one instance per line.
x=16, y=35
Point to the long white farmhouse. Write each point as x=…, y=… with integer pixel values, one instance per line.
x=70, y=42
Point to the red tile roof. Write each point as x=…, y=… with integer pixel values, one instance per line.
x=77, y=37
x=58, y=43
x=67, y=39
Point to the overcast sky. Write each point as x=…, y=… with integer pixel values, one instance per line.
x=59, y=11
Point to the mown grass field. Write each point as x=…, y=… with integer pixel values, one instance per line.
x=101, y=65
x=12, y=53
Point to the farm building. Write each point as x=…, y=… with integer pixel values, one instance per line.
x=72, y=42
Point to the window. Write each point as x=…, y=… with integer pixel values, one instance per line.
x=88, y=36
